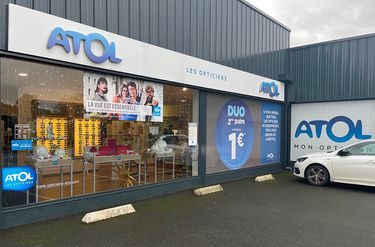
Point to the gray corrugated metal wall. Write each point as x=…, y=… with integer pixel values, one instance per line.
x=229, y=32
x=337, y=70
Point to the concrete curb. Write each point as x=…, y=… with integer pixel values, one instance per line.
x=264, y=178
x=208, y=190
x=108, y=213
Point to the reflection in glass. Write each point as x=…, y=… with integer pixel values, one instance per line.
x=76, y=152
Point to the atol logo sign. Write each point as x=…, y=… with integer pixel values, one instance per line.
x=20, y=178
x=21, y=145
x=156, y=111
x=59, y=37
x=270, y=88
x=313, y=129
x=270, y=156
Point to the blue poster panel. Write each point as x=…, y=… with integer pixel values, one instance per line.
x=270, y=133
x=241, y=133
x=234, y=134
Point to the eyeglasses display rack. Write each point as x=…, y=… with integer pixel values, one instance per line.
x=86, y=133
x=52, y=133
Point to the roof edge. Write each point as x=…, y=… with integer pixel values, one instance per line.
x=362, y=36
x=265, y=14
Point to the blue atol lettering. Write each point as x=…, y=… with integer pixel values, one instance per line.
x=76, y=38
x=355, y=130
x=318, y=126
x=274, y=89
x=60, y=37
x=264, y=87
x=303, y=128
x=270, y=88
x=347, y=136
x=358, y=132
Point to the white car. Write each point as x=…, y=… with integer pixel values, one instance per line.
x=353, y=164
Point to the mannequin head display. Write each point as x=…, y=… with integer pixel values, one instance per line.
x=41, y=153
x=59, y=154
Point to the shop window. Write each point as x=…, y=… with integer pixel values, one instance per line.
x=67, y=132
x=241, y=133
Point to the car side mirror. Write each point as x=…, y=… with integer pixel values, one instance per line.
x=343, y=153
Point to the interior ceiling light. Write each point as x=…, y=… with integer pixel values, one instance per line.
x=22, y=74
x=183, y=101
x=184, y=89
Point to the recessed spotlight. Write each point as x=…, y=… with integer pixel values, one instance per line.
x=22, y=74
x=184, y=89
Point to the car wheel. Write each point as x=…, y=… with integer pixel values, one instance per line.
x=317, y=175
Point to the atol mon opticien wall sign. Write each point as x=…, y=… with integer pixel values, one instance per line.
x=314, y=128
x=321, y=127
x=19, y=178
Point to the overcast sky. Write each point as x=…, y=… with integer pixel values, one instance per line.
x=313, y=21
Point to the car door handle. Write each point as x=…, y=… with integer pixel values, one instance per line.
x=371, y=162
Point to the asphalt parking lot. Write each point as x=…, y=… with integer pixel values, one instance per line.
x=284, y=212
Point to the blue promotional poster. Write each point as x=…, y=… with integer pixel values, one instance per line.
x=270, y=134
x=19, y=178
x=234, y=134
x=246, y=133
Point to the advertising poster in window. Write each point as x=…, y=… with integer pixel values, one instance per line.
x=121, y=98
x=329, y=126
x=241, y=133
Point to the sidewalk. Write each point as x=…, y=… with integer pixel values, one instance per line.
x=284, y=212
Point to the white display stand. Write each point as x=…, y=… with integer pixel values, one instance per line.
x=163, y=157
x=111, y=160
x=53, y=164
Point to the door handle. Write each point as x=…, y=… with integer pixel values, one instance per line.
x=371, y=162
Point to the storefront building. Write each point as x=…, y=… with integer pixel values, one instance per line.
x=92, y=119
